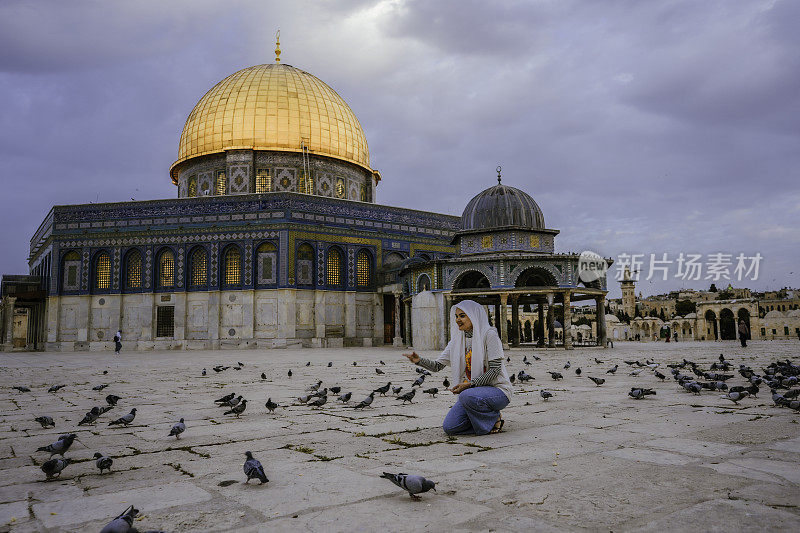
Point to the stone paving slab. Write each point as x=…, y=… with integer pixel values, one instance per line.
x=588, y=459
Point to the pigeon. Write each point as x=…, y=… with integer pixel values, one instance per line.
x=45, y=421
x=659, y=375
x=556, y=375
x=381, y=362
x=90, y=417
x=528, y=363
x=597, y=381
x=446, y=383
x=524, y=376
x=203, y=372
x=508, y=359
x=60, y=446
x=253, y=469
x=396, y=390
x=638, y=393
x=419, y=381
x=177, y=428
x=315, y=387
x=112, y=399
x=124, y=419
x=123, y=523
x=226, y=398
x=217, y=369
x=566, y=367
x=355, y=364
x=612, y=370
x=379, y=371
x=233, y=402
x=635, y=372
x=330, y=364
x=433, y=391
x=240, y=363
x=102, y=462
x=692, y=386
x=319, y=402
x=413, y=484
x=105, y=372
x=308, y=364
x=271, y=405
x=55, y=388
x=512, y=378
x=304, y=398
x=237, y=409
x=598, y=361
x=344, y=398
x=21, y=388
x=545, y=394
x=100, y=387
x=736, y=396
x=578, y=371
x=383, y=390
x=366, y=401
x=319, y=393
x=263, y=375
x=336, y=390
x=53, y=467
x=289, y=373
x=407, y=397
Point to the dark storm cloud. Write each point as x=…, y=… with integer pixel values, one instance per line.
x=638, y=127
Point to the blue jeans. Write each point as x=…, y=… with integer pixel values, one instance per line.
x=475, y=412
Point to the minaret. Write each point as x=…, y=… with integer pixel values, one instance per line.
x=628, y=293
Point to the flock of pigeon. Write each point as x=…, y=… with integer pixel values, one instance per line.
x=690, y=376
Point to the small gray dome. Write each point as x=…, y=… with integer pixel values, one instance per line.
x=502, y=206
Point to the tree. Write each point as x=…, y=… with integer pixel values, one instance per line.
x=684, y=307
x=582, y=320
x=653, y=313
x=662, y=315
x=713, y=288
x=636, y=312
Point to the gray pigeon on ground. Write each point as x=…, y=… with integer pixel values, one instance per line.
x=319, y=402
x=237, y=409
x=315, y=387
x=396, y=390
x=419, y=381
x=100, y=387
x=330, y=364
x=233, y=402
x=545, y=394
x=270, y=405
x=407, y=397
x=433, y=391
x=112, y=399
x=60, y=446
x=637, y=393
x=736, y=396
x=177, y=428
x=556, y=375
x=21, y=388
x=124, y=419
x=612, y=370
x=336, y=390
x=55, y=388
x=123, y=523
x=45, y=421
x=413, y=484
x=253, y=469
x=597, y=381
x=446, y=383
x=379, y=371
x=102, y=462
x=53, y=467
x=383, y=390
x=90, y=417
x=344, y=398
x=366, y=401
x=225, y=399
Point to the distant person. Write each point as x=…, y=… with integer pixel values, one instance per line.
x=478, y=372
x=117, y=341
x=675, y=336
x=743, y=333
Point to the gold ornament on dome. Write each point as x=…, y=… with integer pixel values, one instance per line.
x=273, y=107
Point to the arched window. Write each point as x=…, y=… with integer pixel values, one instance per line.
x=363, y=269
x=198, y=268
x=232, y=267
x=305, y=264
x=192, y=189
x=267, y=264
x=102, y=271
x=133, y=270
x=333, y=268
x=71, y=272
x=166, y=269
x=423, y=283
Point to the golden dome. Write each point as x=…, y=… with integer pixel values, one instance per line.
x=273, y=107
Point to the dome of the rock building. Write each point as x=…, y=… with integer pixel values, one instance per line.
x=499, y=207
x=273, y=107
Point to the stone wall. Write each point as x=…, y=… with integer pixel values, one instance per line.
x=265, y=318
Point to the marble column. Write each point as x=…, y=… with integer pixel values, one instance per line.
x=551, y=322
x=398, y=338
x=8, y=327
x=567, y=321
x=600, y=310
x=503, y=320
x=540, y=330
x=718, y=335
x=515, y=333
x=407, y=323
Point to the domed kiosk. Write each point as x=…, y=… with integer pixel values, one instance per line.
x=505, y=258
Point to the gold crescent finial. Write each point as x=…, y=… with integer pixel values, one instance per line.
x=278, y=47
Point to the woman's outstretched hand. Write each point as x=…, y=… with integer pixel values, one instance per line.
x=457, y=389
x=413, y=357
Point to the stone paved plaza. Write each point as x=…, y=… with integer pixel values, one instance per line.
x=589, y=458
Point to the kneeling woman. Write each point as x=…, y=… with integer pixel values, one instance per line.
x=475, y=356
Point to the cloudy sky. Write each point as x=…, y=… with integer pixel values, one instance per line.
x=639, y=127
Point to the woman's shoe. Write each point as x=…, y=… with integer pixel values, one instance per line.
x=498, y=426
